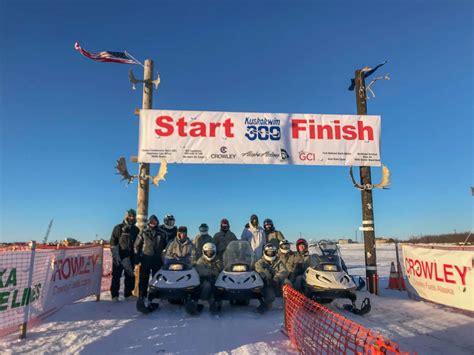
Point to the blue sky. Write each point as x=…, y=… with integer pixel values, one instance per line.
x=66, y=119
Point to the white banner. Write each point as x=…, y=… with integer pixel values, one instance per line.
x=440, y=275
x=36, y=283
x=258, y=138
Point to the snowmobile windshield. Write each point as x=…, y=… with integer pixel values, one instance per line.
x=180, y=264
x=326, y=262
x=239, y=252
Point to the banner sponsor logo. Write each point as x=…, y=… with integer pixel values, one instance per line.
x=440, y=275
x=223, y=154
x=258, y=138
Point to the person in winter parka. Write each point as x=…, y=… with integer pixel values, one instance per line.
x=287, y=256
x=273, y=273
x=255, y=235
x=121, y=245
x=222, y=238
x=181, y=248
x=169, y=228
x=149, y=247
x=202, y=238
x=208, y=267
x=272, y=235
x=301, y=262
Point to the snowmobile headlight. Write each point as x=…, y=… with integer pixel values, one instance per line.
x=176, y=267
x=239, y=268
x=329, y=267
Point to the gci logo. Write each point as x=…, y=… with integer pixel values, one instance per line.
x=307, y=156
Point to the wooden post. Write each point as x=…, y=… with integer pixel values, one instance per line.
x=366, y=195
x=26, y=311
x=144, y=168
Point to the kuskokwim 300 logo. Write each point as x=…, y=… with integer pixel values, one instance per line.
x=263, y=129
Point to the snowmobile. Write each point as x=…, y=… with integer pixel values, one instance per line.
x=327, y=279
x=178, y=282
x=238, y=282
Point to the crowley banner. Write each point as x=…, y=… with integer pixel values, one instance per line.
x=34, y=284
x=440, y=275
x=258, y=138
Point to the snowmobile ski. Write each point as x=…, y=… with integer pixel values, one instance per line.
x=364, y=309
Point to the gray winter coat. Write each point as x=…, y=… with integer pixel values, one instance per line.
x=209, y=269
x=271, y=273
x=150, y=242
x=181, y=251
x=274, y=237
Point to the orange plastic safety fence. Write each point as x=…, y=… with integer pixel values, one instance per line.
x=314, y=329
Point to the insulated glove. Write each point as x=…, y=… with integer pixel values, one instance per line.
x=115, y=255
x=127, y=265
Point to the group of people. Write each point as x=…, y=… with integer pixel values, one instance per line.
x=276, y=263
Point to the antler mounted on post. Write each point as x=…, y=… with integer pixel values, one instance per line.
x=135, y=81
x=122, y=170
x=382, y=185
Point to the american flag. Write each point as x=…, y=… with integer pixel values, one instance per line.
x=106, y=56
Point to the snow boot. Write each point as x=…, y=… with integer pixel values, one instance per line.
x=153, y=306
x=215, y=307
x=115, y=299
x=191, y=307
x=141, y=307
x=262, y=308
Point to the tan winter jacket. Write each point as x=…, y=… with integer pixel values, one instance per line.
x=209, y=269
x=181, y=251
x=274, y=272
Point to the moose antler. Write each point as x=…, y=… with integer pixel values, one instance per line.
x=382, y=185
x=123, y=171
x=161, y=173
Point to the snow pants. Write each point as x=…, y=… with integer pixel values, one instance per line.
x=117, y=271
x=207, y=290
x=269, y=294
x=149, y=265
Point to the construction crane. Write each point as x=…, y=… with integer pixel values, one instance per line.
x=45, y=239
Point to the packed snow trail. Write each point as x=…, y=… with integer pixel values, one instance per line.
x=90, y=327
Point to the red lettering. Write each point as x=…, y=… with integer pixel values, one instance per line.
x=295, y=128
x=427, y=269
x=462, y=274
x=417, y=268
x=228, y=125
x=337, y=129
x=198, y=129
x=68, y=261
x=448, y=273
x=349, y=132
x=181, y=123
x=322, y=128
x=166, y=129
x=57, y=271
x=212, y=128
x=436, y=274
x=361, y=129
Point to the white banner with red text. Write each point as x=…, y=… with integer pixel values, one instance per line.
x=36, y=283
x=203, y=137
x=443, y=276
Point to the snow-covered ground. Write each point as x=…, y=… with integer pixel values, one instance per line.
x=104, y=327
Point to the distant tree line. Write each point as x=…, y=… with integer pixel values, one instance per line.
x=455, y=238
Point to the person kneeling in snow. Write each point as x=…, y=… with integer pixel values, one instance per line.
x=274, y=275
x=208, y=267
